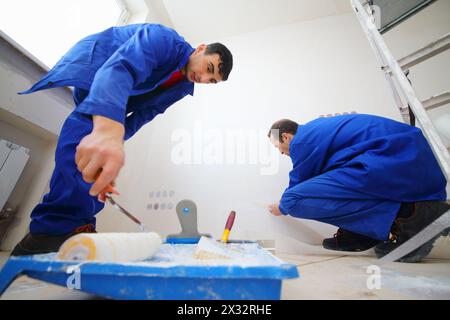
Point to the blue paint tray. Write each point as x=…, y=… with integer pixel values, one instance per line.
x=172, y=274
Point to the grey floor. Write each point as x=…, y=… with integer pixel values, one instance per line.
x=321, y=277
x=352, y=277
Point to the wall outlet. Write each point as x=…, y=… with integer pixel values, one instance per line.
x=162, y=200
x=336, y=114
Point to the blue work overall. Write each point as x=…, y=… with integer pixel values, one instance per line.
x=116, y=74
x=354, y=171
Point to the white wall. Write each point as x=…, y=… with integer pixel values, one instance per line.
x=298, y=71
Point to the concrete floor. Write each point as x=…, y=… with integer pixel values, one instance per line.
x=347, y=277
x=321, y=277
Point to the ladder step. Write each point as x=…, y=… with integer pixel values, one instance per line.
x=423, y=54
x=433, y=102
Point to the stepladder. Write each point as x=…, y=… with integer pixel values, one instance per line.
x=395, y=72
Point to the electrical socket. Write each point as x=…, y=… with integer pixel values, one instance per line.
x=329, y=115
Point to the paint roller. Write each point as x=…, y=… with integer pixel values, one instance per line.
x=110, y=247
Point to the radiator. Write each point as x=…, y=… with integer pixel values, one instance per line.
x=13, y=159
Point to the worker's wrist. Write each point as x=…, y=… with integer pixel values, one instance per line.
x=282, y=210
x=109, y=126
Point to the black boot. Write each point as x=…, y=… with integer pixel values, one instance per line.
x=404, y=229
x=39, y=244
x=348, y=241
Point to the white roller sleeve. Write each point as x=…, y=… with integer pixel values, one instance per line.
x=110, y=247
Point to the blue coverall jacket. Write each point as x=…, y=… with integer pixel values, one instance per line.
x=116, y=74
x=118, y=67
x=354, y=171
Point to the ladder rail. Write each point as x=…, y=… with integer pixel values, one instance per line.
x=384, y=55
x=392, y=69
x=392, y=87
x=437, y=227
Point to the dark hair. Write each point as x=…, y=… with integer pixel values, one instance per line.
x=226, y=58
x=283, y=126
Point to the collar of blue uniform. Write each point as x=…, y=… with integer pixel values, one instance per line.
x=188, y=86
x=295, y=138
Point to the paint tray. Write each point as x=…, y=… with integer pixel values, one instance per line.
x=172, y=274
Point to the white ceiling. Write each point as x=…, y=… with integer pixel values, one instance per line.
x=204, y=20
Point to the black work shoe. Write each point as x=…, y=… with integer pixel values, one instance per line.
x=39, y=244
x=344, y=240
x=404, y=229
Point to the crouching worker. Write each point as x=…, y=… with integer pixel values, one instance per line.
x=374, y=178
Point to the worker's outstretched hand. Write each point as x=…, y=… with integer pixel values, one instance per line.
x=275, y=209
x=100, y=155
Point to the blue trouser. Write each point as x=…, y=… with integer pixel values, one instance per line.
x=324, y=199
x=68, y=205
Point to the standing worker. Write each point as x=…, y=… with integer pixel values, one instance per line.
x=370, y=176
x=122, y=77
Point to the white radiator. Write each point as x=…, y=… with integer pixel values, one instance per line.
x=13, y=159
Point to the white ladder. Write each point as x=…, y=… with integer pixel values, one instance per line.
x=393, y=69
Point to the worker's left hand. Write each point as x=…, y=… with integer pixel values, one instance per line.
x=275, y=209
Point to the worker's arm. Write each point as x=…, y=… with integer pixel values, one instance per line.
x=100, y=155
x=131, y=64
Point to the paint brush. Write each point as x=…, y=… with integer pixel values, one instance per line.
x=228, y=226
x=108, y=196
